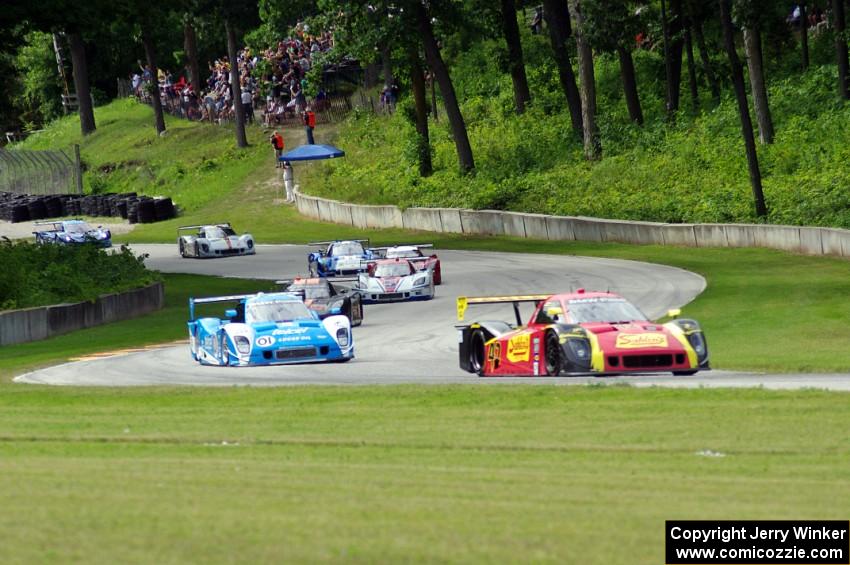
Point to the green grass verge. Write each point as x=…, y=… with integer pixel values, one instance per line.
x=390, y=474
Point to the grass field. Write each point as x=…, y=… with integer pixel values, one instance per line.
x=389, y=474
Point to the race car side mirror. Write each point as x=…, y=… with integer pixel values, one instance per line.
x=673, y=313
x=230, y=313
x=336, y=311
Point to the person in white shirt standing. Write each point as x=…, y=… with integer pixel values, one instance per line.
x=248, y=105
x=288, y=181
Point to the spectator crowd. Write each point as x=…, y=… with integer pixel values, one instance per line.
x=272, y=83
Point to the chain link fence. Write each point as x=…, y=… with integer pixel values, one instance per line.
x=25, y=171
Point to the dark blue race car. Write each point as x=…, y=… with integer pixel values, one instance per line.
x=339, y=258
x=73, y=232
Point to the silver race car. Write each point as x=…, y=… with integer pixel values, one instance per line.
x=392, y=280
x=214, y=240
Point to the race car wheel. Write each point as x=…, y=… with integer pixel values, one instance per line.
x=225, y=354
x=357, y=313
x=552, y=351
x=182, y=248
x=197, y=250
x=684, y=373
x=477, y=353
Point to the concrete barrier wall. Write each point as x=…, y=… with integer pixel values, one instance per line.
x=808, y=240
x=32, y=324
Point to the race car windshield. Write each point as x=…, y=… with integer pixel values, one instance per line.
x=219, y=232
x=313, y=291
x=403, y=253
x=276, y=312
x=352, y=248
x=596, y=310
x=81, y=227
x=399, y=269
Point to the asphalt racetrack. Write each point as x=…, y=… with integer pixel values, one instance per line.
x=416, y=342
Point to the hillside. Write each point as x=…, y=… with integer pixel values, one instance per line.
x=691, y=171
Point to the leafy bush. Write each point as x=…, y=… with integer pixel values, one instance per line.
x=38, y=275
x=691, y=170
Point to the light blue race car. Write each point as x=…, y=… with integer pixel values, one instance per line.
x=268, y=329
x=339, y=258
x=72, y=232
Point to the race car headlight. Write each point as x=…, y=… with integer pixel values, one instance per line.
x=580, y=348
x=697, y=341
x=243, y=345
x=342, y=337
x=421, y=281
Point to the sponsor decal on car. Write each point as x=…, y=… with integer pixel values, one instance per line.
x=290, y=331
x=635, y=341
x=519, y=347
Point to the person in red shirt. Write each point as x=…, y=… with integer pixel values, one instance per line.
x=277, y=143
x=309, y=123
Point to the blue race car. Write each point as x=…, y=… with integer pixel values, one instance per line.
x=268, y=329
x=73, y=232
x=340, y=258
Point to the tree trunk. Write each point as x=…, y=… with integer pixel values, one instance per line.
x=592, y=143
x=673, y=44
x=81, y=82
x=755, y=66
x=387, y=64
x=156, y=97
x=557, y=15
x=692, y=71
x=840, y=24
x=190, y=44
x=238, y=109
x=706, y=64
x=804, y=35
x=441, y=74
x=627, y=72
x=743, y=107
x=417, y=82
x=516, y=63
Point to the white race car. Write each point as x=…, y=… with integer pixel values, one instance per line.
x=392, y=280
x=214, y=240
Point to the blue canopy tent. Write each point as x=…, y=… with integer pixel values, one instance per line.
x=312, y=153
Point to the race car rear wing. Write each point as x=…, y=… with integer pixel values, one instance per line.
x=56, y=222
x=211, y=299
x=464, y=301
x=221, y=225
x=382, y=251
x=365, y=242
x=287, y=282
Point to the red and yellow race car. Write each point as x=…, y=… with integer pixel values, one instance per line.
x=596, y=333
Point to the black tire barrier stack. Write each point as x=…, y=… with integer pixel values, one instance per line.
x=130, y=206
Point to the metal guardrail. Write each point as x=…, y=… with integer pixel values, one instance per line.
x=27, y=171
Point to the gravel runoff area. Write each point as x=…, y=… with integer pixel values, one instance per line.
x=23, y=230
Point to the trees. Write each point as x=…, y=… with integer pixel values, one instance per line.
x=557, y=15
x=673, y=42
x=238, y=109
x=840, y=26
x=515, y=59
x=610, y=26
x=441, y=74
x=743, y=108
x=592, y=142
x=751, y=13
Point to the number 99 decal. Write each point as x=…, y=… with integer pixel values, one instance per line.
x=264, y=341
